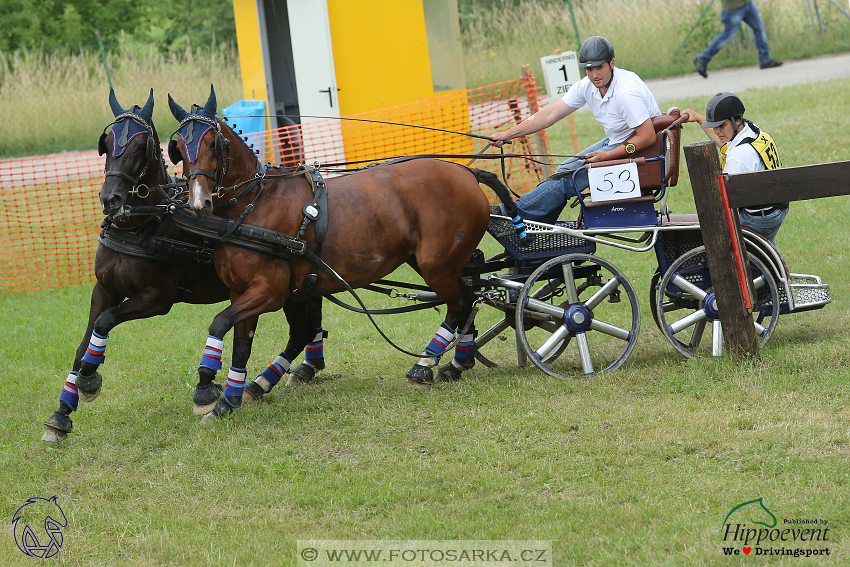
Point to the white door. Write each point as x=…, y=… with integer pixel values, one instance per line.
x=315, y=79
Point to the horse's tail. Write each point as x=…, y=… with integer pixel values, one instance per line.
x=501, y=190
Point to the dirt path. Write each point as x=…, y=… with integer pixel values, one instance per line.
x=740, y=79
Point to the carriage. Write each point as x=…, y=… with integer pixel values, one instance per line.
x=575, y=313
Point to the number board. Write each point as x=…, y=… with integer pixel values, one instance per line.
x=614, y=183
x=560, y=72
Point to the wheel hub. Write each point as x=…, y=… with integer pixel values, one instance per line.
x=577, y=318
x=710, y=306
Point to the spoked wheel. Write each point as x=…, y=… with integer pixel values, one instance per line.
x=653, y=295
x=574, y=306
x=687, y=308
x=507, y=325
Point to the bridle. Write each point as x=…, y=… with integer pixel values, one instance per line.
x=220, y=145
x=137, y=188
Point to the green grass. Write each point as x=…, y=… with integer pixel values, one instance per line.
x=639, y=467
x=646, y=35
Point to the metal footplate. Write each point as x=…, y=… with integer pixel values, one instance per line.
x=807, y=293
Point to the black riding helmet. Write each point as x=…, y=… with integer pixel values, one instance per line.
x=722, y=107
x=595, y=51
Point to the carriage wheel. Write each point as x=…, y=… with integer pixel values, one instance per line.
x=687, y=309
x=653, y=293
x=506, y=325
x=574, y=305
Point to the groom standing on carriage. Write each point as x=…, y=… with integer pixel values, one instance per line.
x=620, y=101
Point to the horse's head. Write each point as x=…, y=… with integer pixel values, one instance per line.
x=133, y=158
x=214, y=157
x=201, y=143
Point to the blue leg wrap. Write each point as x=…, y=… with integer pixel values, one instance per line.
x=235, y=383
x=69, y=391
x=95, y=353
x=314, y=352
x=212, y=353
x=465, y=348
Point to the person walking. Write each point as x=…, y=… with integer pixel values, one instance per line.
x=732, y=13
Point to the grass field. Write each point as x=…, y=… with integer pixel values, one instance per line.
x=639, y=467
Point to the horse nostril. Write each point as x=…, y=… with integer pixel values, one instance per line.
x=114, y=203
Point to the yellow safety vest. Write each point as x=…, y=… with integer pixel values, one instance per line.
x=763, y=145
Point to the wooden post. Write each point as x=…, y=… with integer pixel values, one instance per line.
x=739, y=334
x=540, y=139
x=571, y=120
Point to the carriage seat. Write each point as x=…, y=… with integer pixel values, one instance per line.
x=680, y=220
x=640, y=211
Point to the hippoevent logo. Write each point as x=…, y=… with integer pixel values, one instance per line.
x=750, y=528
x=38, y=527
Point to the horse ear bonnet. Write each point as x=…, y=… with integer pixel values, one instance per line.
x=125, y=129
x=192, y=132
x=173, y=153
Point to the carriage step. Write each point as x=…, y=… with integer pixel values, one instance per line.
x=808, y=291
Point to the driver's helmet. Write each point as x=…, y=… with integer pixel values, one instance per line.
x=720, y=108
x=595, y=51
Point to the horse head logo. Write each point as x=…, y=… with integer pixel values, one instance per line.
x=754, y=508
x=43, y=513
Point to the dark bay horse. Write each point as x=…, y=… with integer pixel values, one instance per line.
x=427, y=213
x=135, y=281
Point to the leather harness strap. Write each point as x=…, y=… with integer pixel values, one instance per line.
x=317, y=212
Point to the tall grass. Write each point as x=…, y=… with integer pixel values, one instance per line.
x=645, y=34
x=57, y=101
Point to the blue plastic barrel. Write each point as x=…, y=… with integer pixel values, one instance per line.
x=249, y=116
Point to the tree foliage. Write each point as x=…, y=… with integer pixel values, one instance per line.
x=50, y=23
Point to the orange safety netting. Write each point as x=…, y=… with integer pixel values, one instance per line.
x=50, y=213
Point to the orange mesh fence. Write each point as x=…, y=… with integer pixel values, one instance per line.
x=50, y=212
x=476, y=111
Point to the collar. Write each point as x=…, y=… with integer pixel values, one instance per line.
x=744, y=132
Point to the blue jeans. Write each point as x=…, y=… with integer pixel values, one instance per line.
x=748, y=13
x=545, y=202
x=767, y=225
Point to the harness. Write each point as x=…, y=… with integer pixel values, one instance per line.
x=259, y=238
x=139, y=242
x=122, y=141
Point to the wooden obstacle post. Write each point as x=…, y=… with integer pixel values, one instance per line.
x=739, y=335
x=542, y=147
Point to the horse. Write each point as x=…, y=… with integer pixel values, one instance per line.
x=428, y=213
x=145, y=264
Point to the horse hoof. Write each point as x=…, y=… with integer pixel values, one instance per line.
x=222, y=408
x=53, y=435
x=57, y=427
x=206, y=397
x=253, y=392
x=301, y=374
x=88, y=387
x=420, y=375
x=448, y=373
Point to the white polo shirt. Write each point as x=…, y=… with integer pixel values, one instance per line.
x=742, y=158
x=627, y=104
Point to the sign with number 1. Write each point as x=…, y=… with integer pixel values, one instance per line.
x=614, y=183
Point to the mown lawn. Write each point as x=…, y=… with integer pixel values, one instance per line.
x=639, y=467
